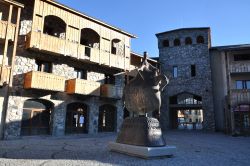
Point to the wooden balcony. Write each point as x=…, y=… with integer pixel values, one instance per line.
x=11, y=30
x=55, y=45
x=240, y=96
x=83, y=87
x=44, y=81
x=111, y=91
x=239, y=68
x=5, y=74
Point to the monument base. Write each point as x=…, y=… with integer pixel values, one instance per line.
x=142, y=151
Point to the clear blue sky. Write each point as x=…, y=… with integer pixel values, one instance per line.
x=229, y=19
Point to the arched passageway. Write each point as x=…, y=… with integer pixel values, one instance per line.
x=36, y=118
x=76, y=118
x=107, y=118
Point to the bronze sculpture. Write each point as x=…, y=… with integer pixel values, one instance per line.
x=142, y=96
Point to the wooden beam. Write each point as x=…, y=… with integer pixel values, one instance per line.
x=6, y=36
x=13, y=3
x=15, y=47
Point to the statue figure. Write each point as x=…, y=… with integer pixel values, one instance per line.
x=142, y=96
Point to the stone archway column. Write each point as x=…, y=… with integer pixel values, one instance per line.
x=93, y=115
x=58, y=116
x=119, y=114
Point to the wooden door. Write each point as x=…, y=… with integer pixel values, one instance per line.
x=35, y=122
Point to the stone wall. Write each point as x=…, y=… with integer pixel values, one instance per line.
x=183, y=57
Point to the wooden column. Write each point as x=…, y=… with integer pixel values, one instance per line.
x=15, y=47
x=6, y=36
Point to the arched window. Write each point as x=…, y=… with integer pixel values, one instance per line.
x=188, y=41
x=90, y=38
x=177, y=42
x=117, y=47
x=54, y=26
x=165, y=43
x=200, y=40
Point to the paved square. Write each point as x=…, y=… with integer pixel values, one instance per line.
x=193, y=148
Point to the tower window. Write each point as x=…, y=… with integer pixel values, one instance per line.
x=193, y=71
x=188, y=41
x=175, y=71
x=200, y=40
x=177, y=42
x=165, y=43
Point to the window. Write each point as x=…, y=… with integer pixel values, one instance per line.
x=44, y=66
x=117, y=47
x=242, y=57
x=188, y=41
x=54, y=26
x=177, y=42
x=80, y=74
x=243, y=84
x=109, y=79
x=165, y=43
x=200, y=40
x=175, y=71
x=193, y=71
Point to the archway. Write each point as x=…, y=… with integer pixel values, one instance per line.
x=117, y=47
x=54, y=26
x=242, y=118
x=36, y=118
x=107, y=118
x=76, y=118
x=186, y=111
x=126, y=113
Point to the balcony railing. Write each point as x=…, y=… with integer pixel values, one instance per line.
x=83, y=87
x=44, y=81
x=55, y=45
x=111, y=91
x=240, y=68
x=10, y=32
x=5, y=74
x=240, y=96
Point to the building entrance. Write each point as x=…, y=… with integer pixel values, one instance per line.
x=188, y=119
x=242, y=119
x=186, y=112
x=36, y=117
x=76, y=119
x=107, y=118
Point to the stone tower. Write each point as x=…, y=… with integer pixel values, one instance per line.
x=184, y=58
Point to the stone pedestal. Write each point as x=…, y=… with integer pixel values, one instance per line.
x=142, y=151
x=142, y=137
x=141, y=131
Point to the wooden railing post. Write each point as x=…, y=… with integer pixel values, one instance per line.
x=15, y=48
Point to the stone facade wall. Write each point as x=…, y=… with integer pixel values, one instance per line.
x=183, y=57
x=24, y=63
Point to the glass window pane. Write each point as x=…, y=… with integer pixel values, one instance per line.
x=175, y=71
x=239, y=85
x=248, y=84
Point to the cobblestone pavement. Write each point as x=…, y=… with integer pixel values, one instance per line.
x=193, y=148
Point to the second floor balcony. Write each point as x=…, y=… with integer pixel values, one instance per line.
x=59, y=46
x=111, y=91
x=240, y=68
x=44, y=81
x=7, y=30
x=83, y=87
x=240, y=96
